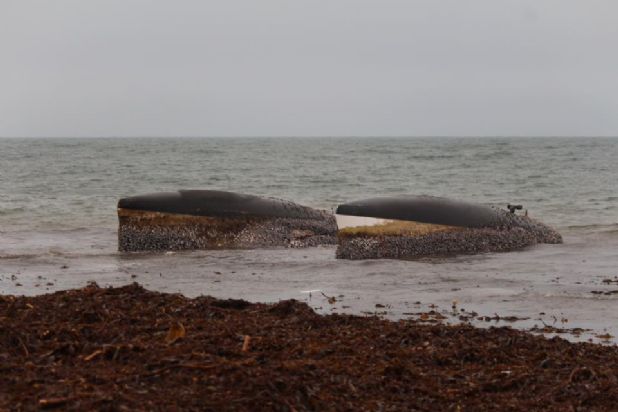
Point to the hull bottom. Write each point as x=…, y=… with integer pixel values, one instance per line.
x=434, y=241
x=155, y=231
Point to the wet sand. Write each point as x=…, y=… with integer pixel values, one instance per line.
x=127, y=348
x=548, y=288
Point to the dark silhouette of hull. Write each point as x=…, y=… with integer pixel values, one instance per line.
x=425, y=209
x=409, y=227
x=210, y=219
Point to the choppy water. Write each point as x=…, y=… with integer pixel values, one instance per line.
x=58, y=203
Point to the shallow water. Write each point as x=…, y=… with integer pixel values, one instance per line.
x=58, y=223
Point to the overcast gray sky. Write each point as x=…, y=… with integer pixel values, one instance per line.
x=308, y=67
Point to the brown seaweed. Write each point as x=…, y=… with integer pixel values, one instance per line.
x=131, y=349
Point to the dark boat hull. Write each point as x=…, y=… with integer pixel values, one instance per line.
x=411, y=227
x=218, y=203
x=218, y=220
x=425, y=209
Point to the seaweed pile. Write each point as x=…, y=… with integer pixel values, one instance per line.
x=131, y=349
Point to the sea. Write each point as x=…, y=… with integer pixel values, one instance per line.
x=58, y=224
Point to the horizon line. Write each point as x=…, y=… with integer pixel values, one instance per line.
x=317, y=137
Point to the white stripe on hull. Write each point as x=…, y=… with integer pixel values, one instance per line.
x=345, y=221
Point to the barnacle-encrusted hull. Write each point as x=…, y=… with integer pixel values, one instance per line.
x=410, y=227
x=207, y=219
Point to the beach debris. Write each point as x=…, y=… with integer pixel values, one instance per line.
x=176, y=331
x=604, y=292
x=311, y=292
x=94, y=354
x=212, y=219
x=331, y=299
x=246, y=342
x=431, y=316
x=549, y=329
x=53, y=402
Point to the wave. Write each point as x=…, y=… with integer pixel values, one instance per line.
x=19, y=256
x=595, y=227
x=10, y=211
x=606, y=231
